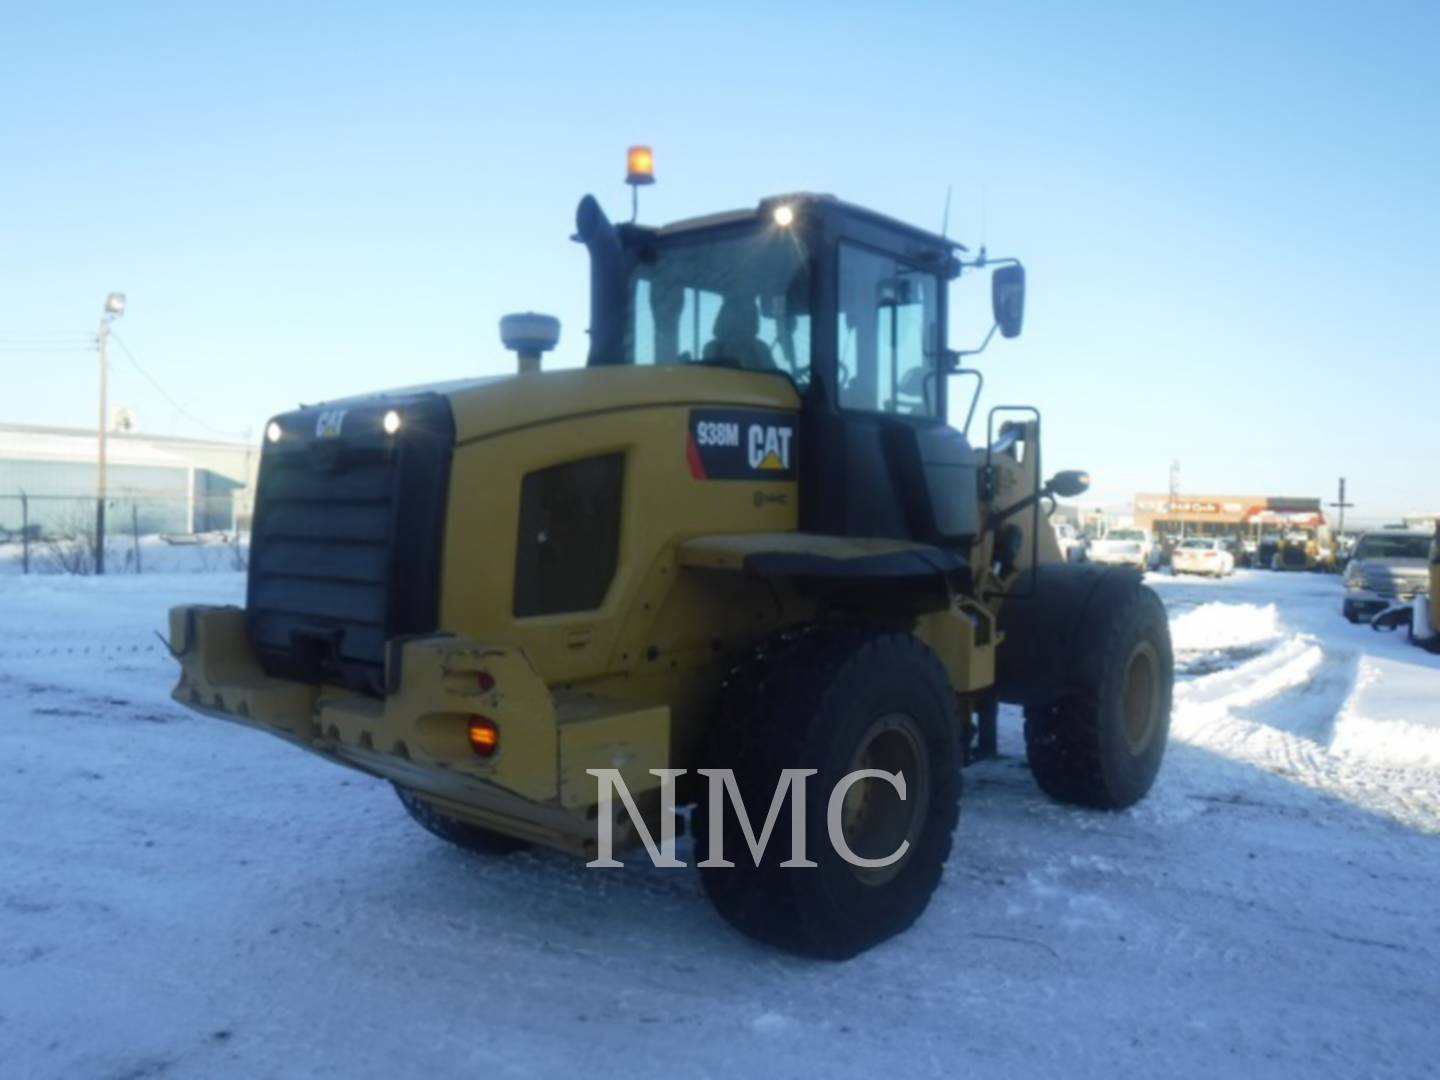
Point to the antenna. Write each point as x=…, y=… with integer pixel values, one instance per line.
x=945, y=217
x=984, y=217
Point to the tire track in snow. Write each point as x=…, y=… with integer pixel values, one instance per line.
x=1278, y=710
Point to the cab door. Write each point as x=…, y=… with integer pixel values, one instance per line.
x=882, y=460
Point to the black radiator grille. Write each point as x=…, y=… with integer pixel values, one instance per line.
x=345, y=545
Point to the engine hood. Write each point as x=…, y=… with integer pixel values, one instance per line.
x=486, y=408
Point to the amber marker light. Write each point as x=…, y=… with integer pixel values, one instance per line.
x=484, y=736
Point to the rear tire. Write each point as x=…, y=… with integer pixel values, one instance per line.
x=460, y=833
x=834, y=699
x=1102, y=745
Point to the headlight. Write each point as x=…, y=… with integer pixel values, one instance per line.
x=391, y=423
x=273, y=432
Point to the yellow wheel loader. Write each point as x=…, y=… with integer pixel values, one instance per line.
x=742, y=539
x=1301, y=549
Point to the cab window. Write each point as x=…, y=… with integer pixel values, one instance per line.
x=887, y=335
x=737, y=301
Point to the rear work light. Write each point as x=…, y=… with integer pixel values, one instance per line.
x=484, y=736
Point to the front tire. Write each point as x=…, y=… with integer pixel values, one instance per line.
x=1101, y=745
x=834, y=699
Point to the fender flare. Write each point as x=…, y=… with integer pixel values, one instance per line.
x=891, y=575
x=1054, y=627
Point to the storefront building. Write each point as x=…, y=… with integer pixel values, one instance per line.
x=1247, y=517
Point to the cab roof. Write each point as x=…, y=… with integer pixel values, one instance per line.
x=802, y=200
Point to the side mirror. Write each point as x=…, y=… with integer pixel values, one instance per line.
x=1007, y=298
x=1069, y=484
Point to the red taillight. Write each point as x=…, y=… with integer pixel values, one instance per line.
x=485, y=681
x=484, y=736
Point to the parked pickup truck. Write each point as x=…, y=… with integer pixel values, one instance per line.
x=1122, y=547
x=1388, y=566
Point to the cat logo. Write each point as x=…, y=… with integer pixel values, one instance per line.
x=742, y=444
x=769, y=447
x=329, y=423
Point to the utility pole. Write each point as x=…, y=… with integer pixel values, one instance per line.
x=1175, y=495
x=114, y=308
x=1342, y=506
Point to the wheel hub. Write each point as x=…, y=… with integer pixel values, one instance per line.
x=1140, y=699
x=874, y=819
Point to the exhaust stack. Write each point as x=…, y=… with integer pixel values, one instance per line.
x=609, y=267
x=529, y=335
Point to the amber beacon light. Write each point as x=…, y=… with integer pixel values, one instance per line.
x=639, y=166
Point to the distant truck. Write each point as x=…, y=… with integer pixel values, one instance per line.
x=1122, y=547
x=1387, y=567
x=1420, y=614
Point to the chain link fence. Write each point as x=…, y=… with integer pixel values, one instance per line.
x=44, y=533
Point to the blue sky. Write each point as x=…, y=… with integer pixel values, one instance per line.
x=1228, y=211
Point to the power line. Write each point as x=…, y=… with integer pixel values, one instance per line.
x=165, y=394
x=8, y=348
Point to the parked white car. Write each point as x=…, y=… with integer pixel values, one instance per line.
x=1199, y=555
x=1122, y=547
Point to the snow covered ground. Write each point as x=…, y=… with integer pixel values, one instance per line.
x=179, y=897
x=199, y=553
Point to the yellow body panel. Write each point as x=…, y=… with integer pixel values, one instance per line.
x=646, y=418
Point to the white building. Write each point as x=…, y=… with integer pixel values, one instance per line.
x=158, y=483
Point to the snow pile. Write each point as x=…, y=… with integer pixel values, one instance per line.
x=1280, y=681
x=1392, y=716
x=1216, y=626
x=1214, y=637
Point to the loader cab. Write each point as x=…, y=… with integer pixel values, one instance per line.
x=848, y=305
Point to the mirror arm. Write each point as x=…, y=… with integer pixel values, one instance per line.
x=953, y=368
x=982, y=260
x=1046, y=494
x=1024, y=504
x=962, y=353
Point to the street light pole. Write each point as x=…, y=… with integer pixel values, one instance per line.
x=114, y=308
